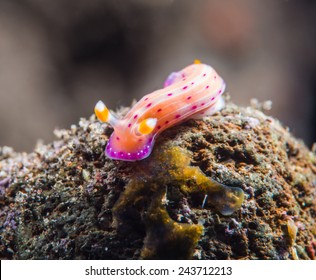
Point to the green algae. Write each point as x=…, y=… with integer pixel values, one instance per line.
x=145, y=197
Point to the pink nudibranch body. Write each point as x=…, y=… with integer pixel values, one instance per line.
x=193, y=92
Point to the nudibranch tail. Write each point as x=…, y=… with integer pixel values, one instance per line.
x=103, y=114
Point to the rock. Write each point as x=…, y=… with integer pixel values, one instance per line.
x=236, y=185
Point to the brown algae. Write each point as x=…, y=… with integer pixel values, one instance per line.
x=145, y=195
x=224, y=199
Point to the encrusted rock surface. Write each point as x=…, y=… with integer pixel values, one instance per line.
x=61, y=201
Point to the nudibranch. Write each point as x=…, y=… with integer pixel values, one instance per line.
x=192, y=92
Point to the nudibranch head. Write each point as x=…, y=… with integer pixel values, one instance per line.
x=131, y=142
x=134, y=144
x=193, y=92
x=133, y=150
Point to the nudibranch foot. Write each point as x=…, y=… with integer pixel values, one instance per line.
x=192, y=92
x=112, y=153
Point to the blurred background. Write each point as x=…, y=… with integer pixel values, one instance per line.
x=58, y=58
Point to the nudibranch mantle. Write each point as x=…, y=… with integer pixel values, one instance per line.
x=192, y=92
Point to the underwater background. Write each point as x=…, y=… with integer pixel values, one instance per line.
x=57, y=58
